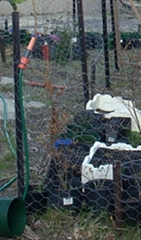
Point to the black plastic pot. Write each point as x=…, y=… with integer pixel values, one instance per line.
x=111, y=136
x=98, y=198
x=110, y=156
x=132, y=211
x=66, y=195
x=75, y=128
x=87, y=138
x=35, y=201
x=131, y=168
x=131, y=179
x=91, y=121
x=117, y=129
x=130, y=189
x=72, y=131
x=131, y=204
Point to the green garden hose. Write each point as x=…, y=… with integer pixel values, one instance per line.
x=22, y=65
x=24, y=136
x=9, y=141
x=5, y=124
x=26, y=152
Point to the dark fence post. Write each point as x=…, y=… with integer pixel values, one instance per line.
x=106, y=47
x=83, y=51
x=74, y=14
x=115, y=31
x=19, y=135
x=2, y=49
x=6, y=24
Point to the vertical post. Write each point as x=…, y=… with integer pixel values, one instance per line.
x=19, y=136
x=115, y=31
x=6, y=24
x=74, y=14
x=118, y=197
x=93, y=77
x=105, y=39
x=2, y=49
x=83, y=51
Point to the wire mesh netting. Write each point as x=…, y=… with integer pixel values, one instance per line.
x=70, y=114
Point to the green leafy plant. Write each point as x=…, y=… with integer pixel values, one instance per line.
x=135, y=138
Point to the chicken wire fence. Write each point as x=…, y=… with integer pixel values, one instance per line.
x=81, y=103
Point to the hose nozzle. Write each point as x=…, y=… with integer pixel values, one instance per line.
x=25, y=58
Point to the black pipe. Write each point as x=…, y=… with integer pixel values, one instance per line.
x=18, y=121
x=93, y=77
x=6, y=25
x=74, y=14
x=2, y=49
x=83, y=51
x=114, y=35
x=106, y=47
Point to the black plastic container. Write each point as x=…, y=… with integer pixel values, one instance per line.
x=92, y=122
x=132, y=168
x=110, y=156
x=132, y=211
x=131, y=179
x=35, y=201
x=117, y=129
x=65, y=195
x=98, y=197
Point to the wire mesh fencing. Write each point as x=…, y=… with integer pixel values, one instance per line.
x=70, y=107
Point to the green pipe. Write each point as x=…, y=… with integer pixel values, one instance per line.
x=24, y=135
x=7, y=184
